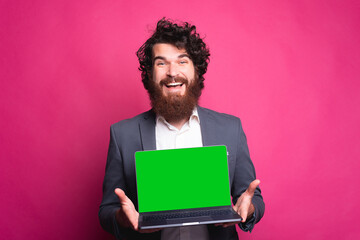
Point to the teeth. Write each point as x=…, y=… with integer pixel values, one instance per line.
x=173, y=84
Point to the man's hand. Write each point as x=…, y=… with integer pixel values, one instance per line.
x=244, y=206
x=127, y=216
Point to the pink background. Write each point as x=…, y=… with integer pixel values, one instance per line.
x=288, y=69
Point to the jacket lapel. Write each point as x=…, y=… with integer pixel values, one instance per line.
x=207, y=125
x=147, y=131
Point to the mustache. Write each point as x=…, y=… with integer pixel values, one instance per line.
x=168, y=80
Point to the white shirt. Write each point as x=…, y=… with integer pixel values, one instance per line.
x=169, y=137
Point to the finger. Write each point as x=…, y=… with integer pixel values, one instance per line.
x=226, y=224
x=121, y=194
x=236, y=207
x=252, y=187
x=243, y=214
x=135, y=223
x=238, y=203
x=230, y=224
x=219, y=224
x=150, y=230
x=133, y=218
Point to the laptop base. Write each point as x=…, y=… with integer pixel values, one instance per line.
x=180, y=218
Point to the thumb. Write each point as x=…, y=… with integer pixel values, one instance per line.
x=252, y=187
x=121, y=194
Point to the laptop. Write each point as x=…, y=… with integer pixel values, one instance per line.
x=182, y=187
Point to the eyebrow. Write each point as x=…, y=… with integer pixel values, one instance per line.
x=163, y=58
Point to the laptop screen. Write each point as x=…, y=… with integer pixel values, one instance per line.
x=182, y=178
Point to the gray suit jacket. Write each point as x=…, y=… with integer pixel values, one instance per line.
x=138, y=133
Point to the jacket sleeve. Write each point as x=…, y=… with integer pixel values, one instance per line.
x=114, y=178
x=244, y=175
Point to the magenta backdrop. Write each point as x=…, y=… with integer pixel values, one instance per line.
x=289, y=69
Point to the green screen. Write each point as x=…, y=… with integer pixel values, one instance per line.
x=182, y=178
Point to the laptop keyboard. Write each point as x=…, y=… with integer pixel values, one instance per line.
x=197, y=213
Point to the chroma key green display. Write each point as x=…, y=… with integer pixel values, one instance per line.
x=182, y=178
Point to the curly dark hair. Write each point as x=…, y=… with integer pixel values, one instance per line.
x=181, y=35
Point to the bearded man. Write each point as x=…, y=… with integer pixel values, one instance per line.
x=173, y=62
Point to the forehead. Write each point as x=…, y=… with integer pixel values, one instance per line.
x=167, y=51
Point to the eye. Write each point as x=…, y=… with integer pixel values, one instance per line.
x=183, y=62
x=160, y=64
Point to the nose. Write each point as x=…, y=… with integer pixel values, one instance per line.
x=173, y=70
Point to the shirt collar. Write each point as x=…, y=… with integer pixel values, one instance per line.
x=194, y=117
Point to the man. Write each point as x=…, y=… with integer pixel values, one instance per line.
x=173, y=61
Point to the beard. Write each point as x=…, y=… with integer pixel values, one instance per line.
x=174, y=107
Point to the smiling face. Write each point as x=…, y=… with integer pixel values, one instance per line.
x=174, y=88
x=173, y=70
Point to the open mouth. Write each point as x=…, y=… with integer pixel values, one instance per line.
x=172, y=85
